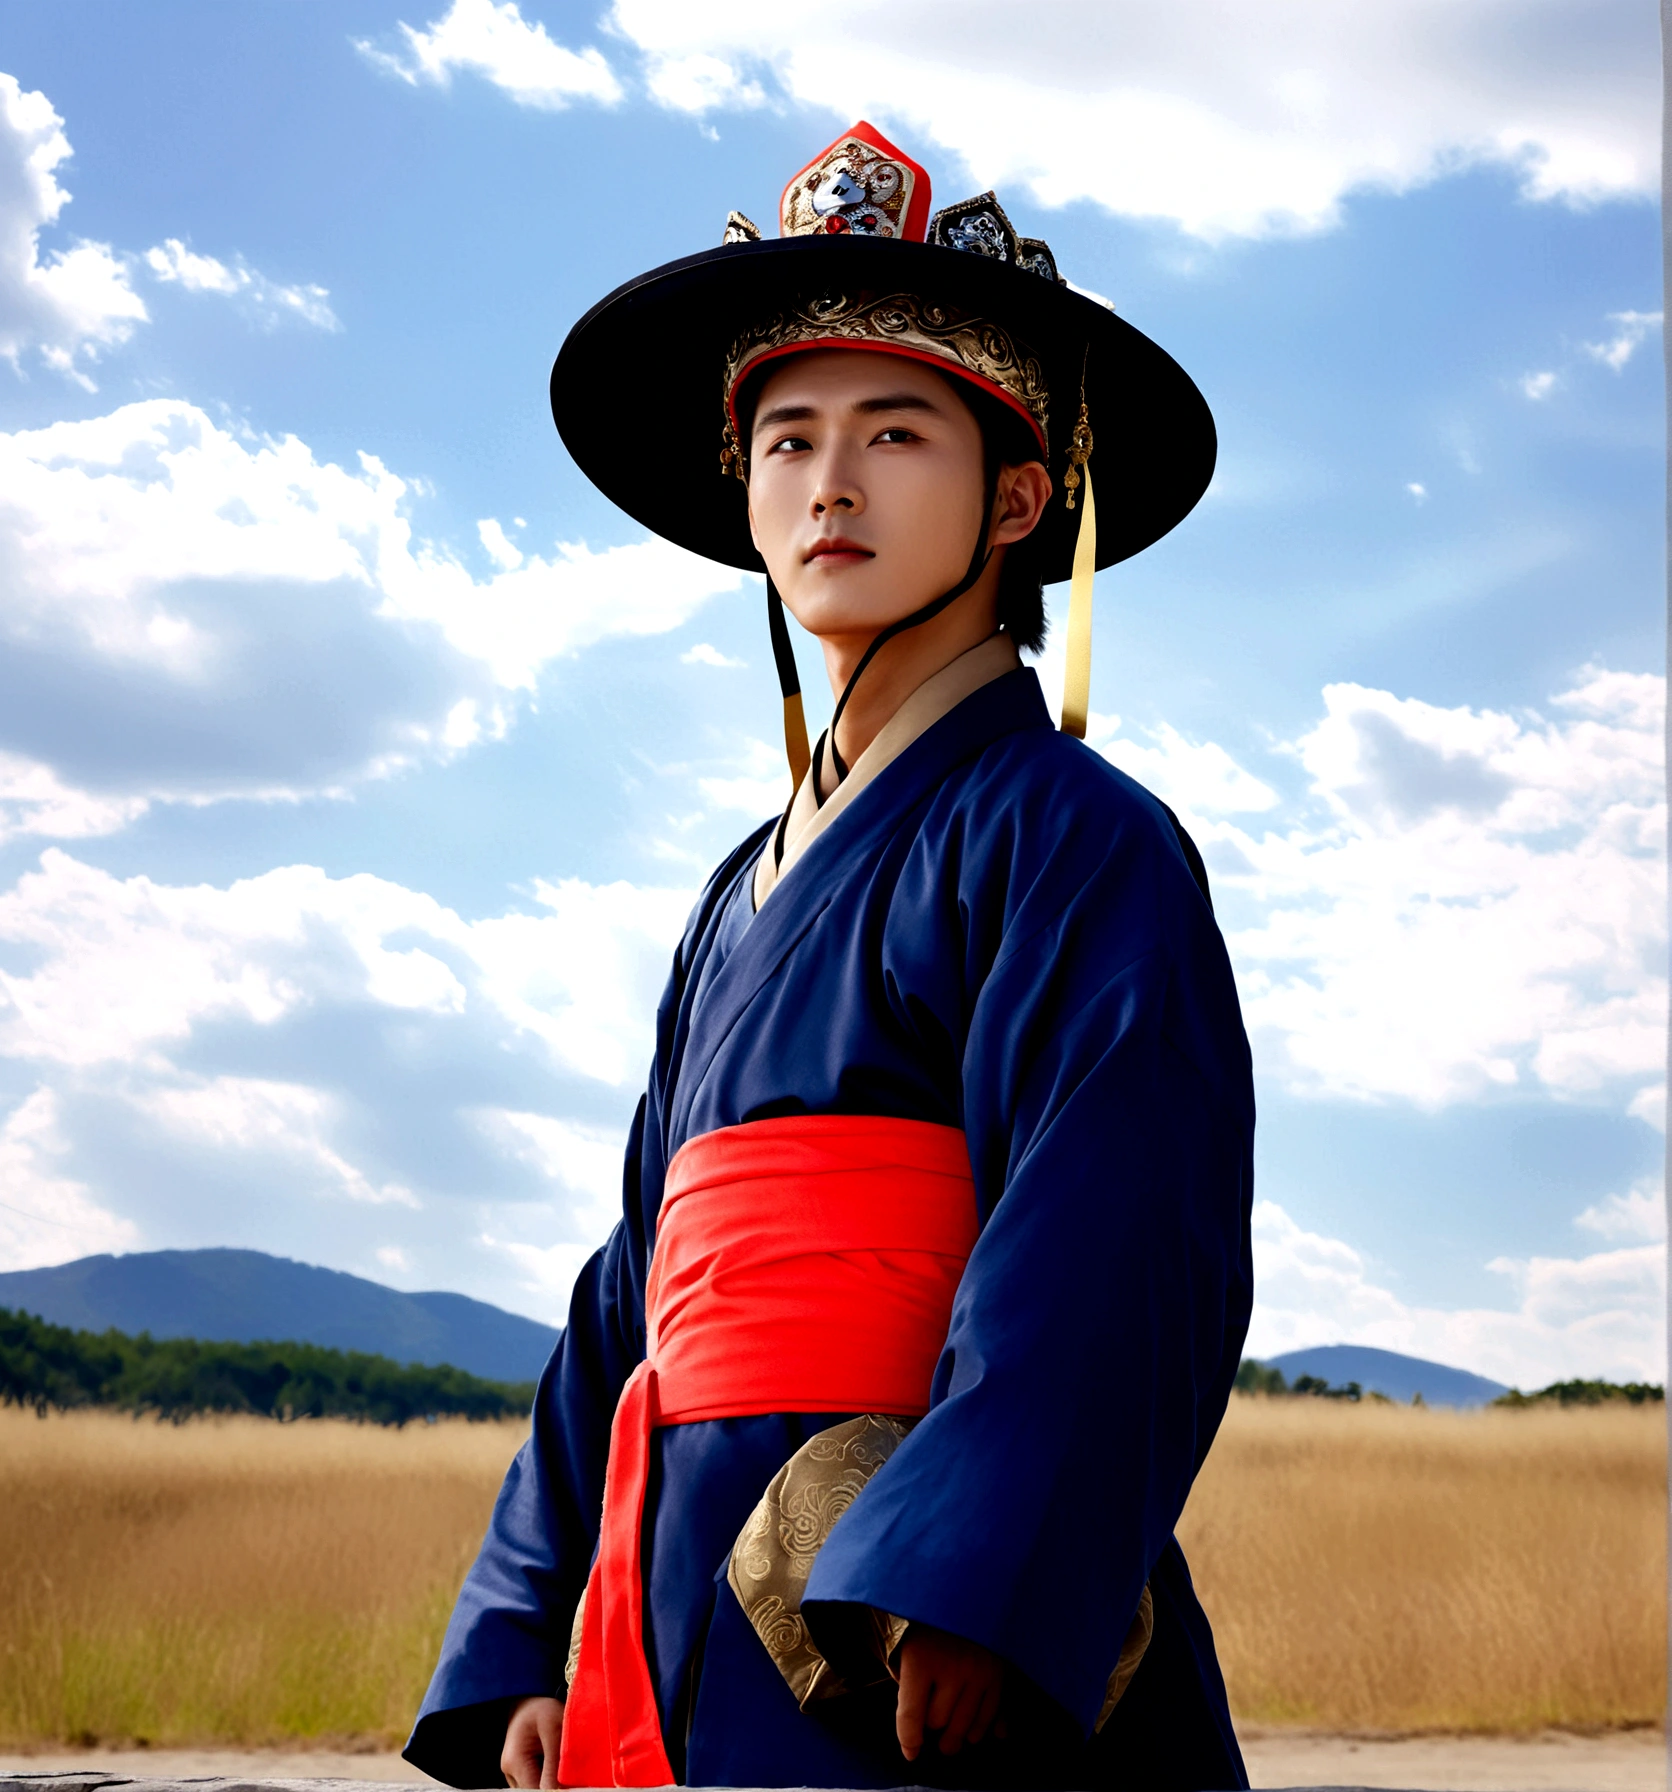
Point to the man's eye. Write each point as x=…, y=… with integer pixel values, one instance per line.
x=789, y=443
x=900, y=434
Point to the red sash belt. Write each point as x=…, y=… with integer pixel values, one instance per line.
x=801, y=1265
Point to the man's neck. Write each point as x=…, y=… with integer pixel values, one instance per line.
x=902, y=665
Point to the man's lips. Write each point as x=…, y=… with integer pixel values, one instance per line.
x=836, y=550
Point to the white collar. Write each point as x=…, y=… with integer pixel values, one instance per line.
x=936, y=697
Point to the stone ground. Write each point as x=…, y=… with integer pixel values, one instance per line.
x=1633, y=1761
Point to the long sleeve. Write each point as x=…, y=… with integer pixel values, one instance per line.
x=1109, y=1113
x=509, y=1633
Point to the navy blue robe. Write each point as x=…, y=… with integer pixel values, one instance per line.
x=1001, y=933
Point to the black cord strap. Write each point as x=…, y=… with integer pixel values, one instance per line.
x=789, y=684
x=979, y=559
x=977, y=566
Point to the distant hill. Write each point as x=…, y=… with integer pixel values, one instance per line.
x=241, y=1296
x=1382, y=1372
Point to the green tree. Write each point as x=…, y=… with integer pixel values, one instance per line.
x=51, y=1366
x=1259, y=1378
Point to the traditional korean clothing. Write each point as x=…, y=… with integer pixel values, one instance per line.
x=933, y=1267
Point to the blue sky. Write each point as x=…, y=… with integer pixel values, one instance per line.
x=358, y=761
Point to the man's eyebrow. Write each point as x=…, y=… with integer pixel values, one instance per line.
x=784, y=413
x=865, y=407
x=896, y=401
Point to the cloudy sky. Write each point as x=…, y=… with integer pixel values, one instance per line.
x=358, y=762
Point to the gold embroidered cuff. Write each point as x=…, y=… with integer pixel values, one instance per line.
x=574, y=1661
x=776, y=1549
x=774, y=1554
x=1138, y=1635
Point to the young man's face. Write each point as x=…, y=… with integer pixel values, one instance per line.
x=865, y=487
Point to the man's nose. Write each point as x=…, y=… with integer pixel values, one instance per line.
x=835, y=488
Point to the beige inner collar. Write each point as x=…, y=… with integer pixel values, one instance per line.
x=935, y=697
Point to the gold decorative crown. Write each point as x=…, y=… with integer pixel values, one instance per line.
x=898, y=323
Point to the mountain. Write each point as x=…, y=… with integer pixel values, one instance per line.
x=243, y=1296
x=1382, y=1372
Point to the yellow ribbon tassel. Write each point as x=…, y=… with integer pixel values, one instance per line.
x=795, y=739
x=1076, y=678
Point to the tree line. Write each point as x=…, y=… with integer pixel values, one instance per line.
x=1255, y=1377
x=52, y=1367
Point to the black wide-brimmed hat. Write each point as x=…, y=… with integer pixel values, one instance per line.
x=645, y=389
x=642, y=389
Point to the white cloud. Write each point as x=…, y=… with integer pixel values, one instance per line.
x=1226, y=119
x=1602, y=1315
x=1640, y=1214
x=46, y=1217
x=1631, y=331
x=1197, y=778
x=106, y=514
x=227, y=578
x=585, y=1160
x=1086, y=292
x=1417, y=491
x=585, y=1164
x=500, y=549
x=1650, y=1105
x=287, y=1120
x=1537, y=386
x=124, y=971
x=497, y=43
x=1466, y=901
x=546, y=609
x=174, y=264
x=705, y=655
x=74, y=302
x=1598, y=1315
x=70, y=304
x=699, y=83
x=760, y=787
x=35, y=801
x=585, y=975
x=1483, y=905
x=410, y=1058
x=546, y=1272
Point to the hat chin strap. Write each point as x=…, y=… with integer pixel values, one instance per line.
x=789, y=681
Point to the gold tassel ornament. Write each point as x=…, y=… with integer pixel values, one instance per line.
x=1076, y=678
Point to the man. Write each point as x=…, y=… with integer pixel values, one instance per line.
x=872, y=1420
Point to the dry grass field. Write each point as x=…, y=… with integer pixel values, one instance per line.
x=1381, y=1568
x=1366, y=1568
x=230, y=1580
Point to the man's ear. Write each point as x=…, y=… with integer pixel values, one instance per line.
x=1024, y=492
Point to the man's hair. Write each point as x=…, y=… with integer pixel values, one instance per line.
x=1006, y=442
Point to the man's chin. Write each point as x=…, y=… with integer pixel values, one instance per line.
x=852, y=600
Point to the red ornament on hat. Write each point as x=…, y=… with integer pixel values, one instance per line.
x=860, y=186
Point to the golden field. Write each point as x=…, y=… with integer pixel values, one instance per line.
x=1377, y=1567
x=1365, y=1568
x=230, y=1580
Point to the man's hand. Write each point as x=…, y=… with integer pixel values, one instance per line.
x=532, y=1739
x=948, y=1684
